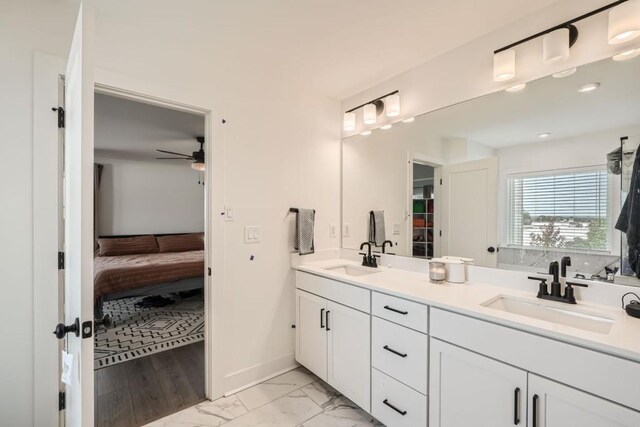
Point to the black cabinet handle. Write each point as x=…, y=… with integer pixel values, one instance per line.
x=395, y=310
x=386, y=347
x=535, y=411
x=516, y=406
x=386, y=402
x=491, y=249
x=322, y=318
x=327, y=320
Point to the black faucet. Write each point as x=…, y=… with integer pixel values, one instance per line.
x=384, y=244
x=368, y=260
x=555, y=295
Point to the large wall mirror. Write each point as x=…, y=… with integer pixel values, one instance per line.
x=513, y=180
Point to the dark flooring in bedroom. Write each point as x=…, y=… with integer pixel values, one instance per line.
x=142, y=390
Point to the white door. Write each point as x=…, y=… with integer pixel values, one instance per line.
x=349, y=353
x=555, y=405
x=469, y=211
x=311, y=333
x=467, y=389
x=78, y=202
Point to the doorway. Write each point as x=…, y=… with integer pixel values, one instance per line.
x=149, y=261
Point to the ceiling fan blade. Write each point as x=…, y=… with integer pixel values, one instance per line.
x=173, y=152
x=174, y=158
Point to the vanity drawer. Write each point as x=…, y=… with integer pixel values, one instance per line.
x=387, y=394
x=398, y=310
x=401, y=353
x=343, y=293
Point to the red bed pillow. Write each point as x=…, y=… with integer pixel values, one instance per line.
x=128, y=245
x=181, y=242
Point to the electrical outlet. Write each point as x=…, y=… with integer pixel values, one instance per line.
x=333, y=230
x=252, y=234
x=228, y=213
x=346, y=230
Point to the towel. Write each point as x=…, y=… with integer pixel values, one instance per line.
x=305, y=219
x=376, y=228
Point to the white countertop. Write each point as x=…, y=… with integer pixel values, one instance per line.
x=622, y=340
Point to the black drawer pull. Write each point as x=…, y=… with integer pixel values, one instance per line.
x=535, y=410
x=386, y=402
x=395, y=310
x=322, y=318
x=516, y=406
x=386, y=347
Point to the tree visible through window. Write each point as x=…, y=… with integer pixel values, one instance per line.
x=561, y=210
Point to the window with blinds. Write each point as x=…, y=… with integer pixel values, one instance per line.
x=560, y=210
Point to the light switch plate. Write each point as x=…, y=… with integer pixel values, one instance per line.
x=228, y=213
x=346, y=230
x=333, y=230
x=396, y=229
x=252, y=234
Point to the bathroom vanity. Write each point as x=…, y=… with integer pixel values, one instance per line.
x=413, y=353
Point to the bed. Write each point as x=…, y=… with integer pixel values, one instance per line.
x=144, y=265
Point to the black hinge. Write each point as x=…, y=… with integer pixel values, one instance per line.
x=60, y=111
x=60, y=260
x=62, y=400
x=209, y=271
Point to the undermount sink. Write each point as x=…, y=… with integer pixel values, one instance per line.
x=352, y=270
x=564, y=316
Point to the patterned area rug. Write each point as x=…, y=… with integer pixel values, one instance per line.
x=139, y=332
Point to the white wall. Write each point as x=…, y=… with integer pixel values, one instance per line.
x=140, y=197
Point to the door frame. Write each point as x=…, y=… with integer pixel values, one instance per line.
x=47, y=71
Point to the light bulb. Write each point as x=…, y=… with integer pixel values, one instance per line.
x=504, y=65
x=555, y=46
x=199, y=166
x=349, y=121
x=589, y=87
x=392, y=105
x=370, y=114
x=624, y=22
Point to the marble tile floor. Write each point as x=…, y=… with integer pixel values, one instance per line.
x=294, y=399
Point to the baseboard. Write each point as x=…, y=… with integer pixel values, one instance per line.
x=245, y=378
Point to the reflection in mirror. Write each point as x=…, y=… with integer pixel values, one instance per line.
x=512, y=179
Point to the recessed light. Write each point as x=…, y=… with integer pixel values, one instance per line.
x=409, y=120
x=516, y=88
x=565, y=73
x=589, y=87
x=544, y=135
x=366, y=132
x=385, y=127
x=626, y=55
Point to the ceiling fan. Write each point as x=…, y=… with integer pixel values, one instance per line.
x=197, y=156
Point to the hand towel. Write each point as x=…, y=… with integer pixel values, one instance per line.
x=305, y=219
x=376, y=228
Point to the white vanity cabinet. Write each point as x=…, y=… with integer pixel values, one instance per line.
x=469, y=389
x=333, y=340
x=556, y=405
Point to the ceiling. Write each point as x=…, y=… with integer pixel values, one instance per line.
x=547, y=105
x=131, y=130
x=336, y=47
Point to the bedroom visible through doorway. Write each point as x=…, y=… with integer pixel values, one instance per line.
x=149, y=263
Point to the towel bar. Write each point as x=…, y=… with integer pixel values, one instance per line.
x=296, y=210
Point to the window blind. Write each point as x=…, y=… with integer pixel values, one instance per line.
x=560, y=210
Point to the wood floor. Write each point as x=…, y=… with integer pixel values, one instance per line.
x=142, y=390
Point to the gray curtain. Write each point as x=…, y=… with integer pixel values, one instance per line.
x=97, y=177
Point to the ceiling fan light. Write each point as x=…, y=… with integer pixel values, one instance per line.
x=199, y=166
x=504, y=65
x=555, y=46
x=624, y=22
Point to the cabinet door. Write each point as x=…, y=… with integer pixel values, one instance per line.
x=553, y=404
x=467, y=389
x=349, y=349
x=311, y=335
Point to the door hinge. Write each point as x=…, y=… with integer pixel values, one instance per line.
x=209, y=271
x=60, y=111
x=62, y=400
x=60, y=260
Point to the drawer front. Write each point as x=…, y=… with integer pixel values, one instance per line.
x=401, y=353
x=396, y=405
x=340, y=292
x=400, y=311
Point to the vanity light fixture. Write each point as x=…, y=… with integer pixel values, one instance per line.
x=589, y=87
x=628, y=54
x=372, y=109
x=387, y=126
x=624, y=22
x=565, y=73
x=349, y=121
x=555, y=45
x=392, y=105
x=516, y=88
x=544, y=135
x=409, y=120
x=504, y=65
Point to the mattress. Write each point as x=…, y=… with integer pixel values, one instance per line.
x=115, y=274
